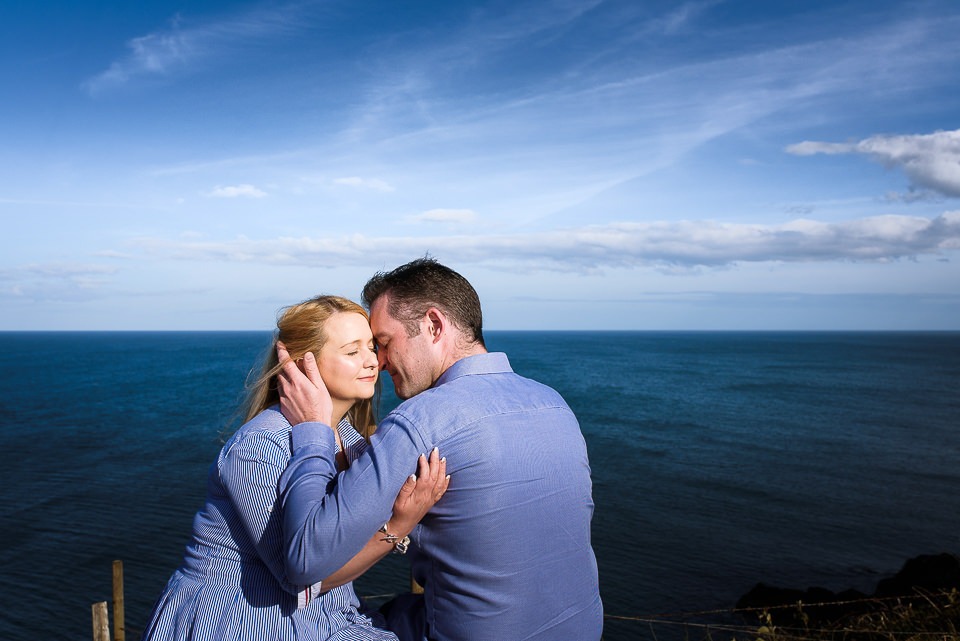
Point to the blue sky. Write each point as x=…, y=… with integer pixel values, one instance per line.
x=587, y=165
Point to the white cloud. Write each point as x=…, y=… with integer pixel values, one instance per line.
x=679, y=18
x=66, y=270
x=54, y=280
x=663, y=245
x=912, y=196
x=931, y=161
x=612, y=116
x=177, y=49
x=246, y=191
x=151, y=54
x=367, y=183
x=111, y=253
x=447, y=216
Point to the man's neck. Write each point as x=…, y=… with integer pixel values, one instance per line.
x=472, y=350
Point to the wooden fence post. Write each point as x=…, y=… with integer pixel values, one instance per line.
x=101, y=626
x=119, y=632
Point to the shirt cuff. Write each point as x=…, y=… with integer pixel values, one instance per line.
x=308, y=594
x=305, y=434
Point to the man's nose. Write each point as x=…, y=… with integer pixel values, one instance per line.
x=382, y=359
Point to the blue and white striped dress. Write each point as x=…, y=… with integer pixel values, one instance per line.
x=231, y=585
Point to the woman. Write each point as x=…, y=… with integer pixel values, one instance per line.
x=232, y=585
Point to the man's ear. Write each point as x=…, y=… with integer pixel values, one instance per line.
x=436, y=324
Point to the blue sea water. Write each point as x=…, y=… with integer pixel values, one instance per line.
x=719, y=460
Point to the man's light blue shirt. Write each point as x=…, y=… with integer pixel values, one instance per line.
x=506, y=553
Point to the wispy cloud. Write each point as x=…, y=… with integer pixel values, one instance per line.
x=244, y=191
x=929, y=160
x=111, y=253
x=445, y=216
x=76, y=272
x=53, y=280
x=665, y=245
x=912, y=195
x=178, y=48
x=364, y=183
x=679, y=18
x=613, y=115
x=251, y=160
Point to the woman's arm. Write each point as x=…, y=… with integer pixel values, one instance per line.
x=326, y=524
x=248, y=470
x=416, y=497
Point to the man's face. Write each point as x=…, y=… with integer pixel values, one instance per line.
x=408, y=360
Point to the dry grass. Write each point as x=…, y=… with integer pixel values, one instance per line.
x=925, y=617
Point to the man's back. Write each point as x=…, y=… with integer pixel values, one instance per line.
x=506, y=552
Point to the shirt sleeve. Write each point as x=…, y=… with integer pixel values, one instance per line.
x=326, y=522
x=249, y=471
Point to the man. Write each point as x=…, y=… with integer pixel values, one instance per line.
x=506, y=553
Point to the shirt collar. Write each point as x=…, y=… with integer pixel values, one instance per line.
x=489, y=363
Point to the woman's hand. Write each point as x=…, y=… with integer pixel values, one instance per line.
x=415, y=499
x=419, y=493
x=303, y=396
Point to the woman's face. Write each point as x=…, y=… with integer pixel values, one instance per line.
x=348, y=362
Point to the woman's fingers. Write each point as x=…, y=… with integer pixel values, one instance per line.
x=426, y=465
x=432, y=479
x=433, y=473
x=443, y=481
x=421, y=491
x=407, y=489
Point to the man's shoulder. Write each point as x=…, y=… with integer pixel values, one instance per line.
x=481, y=394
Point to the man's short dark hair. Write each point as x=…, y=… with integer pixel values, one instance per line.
x=424, y=283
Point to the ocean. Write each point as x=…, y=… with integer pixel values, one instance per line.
x=719, y=460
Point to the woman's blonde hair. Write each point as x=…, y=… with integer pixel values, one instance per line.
x=300, y=328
